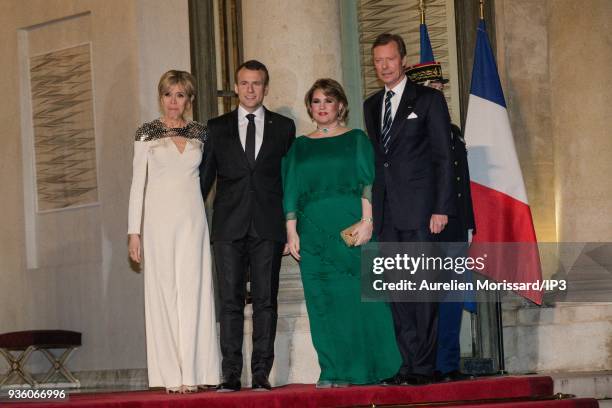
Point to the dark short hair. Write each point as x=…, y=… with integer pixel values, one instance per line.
x=332, y=89
x=253, y=65
x=386, y=38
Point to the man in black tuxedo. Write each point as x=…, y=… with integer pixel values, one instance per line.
x=409, y=126
x=243, y=153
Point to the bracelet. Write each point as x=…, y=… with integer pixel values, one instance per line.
x=368, y=219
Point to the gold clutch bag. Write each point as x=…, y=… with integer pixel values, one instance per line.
x=346, y=235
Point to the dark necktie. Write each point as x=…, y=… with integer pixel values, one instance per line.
x=249, y=145
x=387, y=121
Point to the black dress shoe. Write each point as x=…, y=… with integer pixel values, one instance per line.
x=415, y=379
x=454, y=375
x=232, y=384
x=394, y=380
x=261, y=383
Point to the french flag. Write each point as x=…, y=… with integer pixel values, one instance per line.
x=501, y=210
x=426, y=54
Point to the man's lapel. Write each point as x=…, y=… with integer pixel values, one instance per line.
x=235, y=138
x=268, y=135
x=406, y=106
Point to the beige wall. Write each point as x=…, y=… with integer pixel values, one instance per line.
x=163, y=44
x=553, y=56
x=299, y=41
x=581, y=107
x=83, y=280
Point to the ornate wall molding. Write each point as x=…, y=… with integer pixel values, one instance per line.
x=403, y=17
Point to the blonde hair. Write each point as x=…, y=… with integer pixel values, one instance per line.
x=176, y=77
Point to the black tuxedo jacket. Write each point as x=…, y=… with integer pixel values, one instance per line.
x=246, y=194
x=415, y=175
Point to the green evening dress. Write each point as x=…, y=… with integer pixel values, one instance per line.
x=324, y=181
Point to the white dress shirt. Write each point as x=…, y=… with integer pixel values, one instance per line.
x=395, y=100
x=259, y=126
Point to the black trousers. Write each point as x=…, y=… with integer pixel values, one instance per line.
x=448, y=350
x=233, y=260
x=416, y=323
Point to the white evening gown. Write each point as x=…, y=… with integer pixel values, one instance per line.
x=181, y=329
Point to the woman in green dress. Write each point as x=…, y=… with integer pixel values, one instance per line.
x=327, y=178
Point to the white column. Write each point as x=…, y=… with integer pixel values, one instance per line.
x=299, y=42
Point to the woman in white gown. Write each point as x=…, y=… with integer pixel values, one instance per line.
x=182, y=350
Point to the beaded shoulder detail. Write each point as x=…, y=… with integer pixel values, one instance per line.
x=156, y=130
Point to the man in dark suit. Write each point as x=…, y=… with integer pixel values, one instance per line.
x=409, y=125
x=243, y=153
x=448, y=352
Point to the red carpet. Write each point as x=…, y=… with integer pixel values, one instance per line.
x=460, y=394
x=568, y=403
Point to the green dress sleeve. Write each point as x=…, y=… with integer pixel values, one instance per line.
x=365, y=165
x=290, y=183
